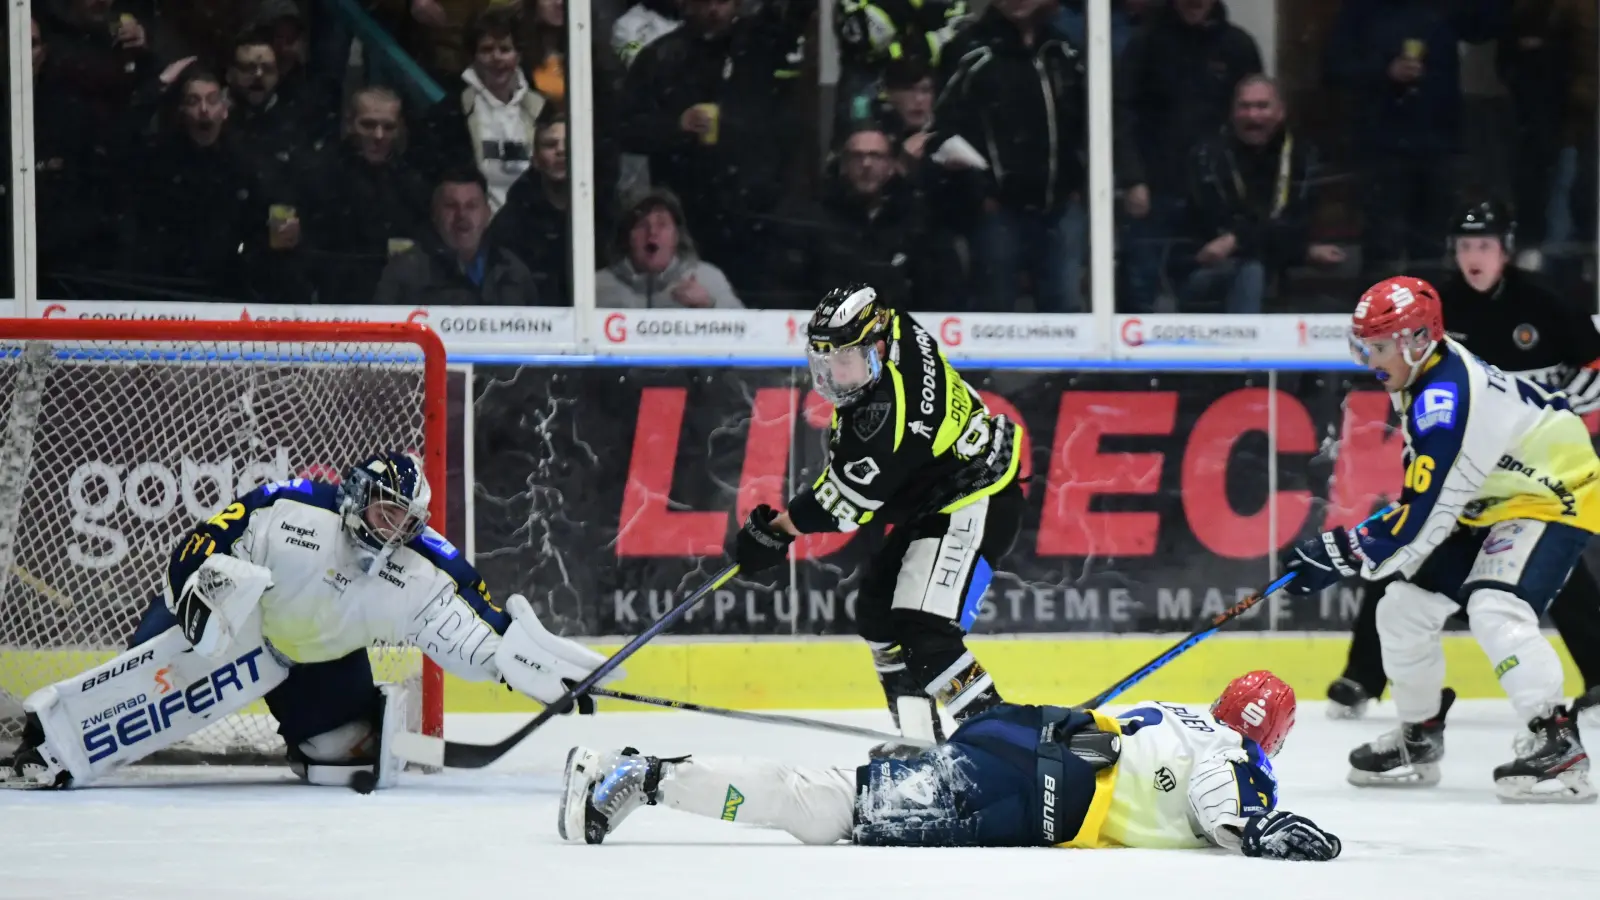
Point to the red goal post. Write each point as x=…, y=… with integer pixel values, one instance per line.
x=97, y=417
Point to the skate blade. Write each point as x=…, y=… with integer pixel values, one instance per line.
x=1418, y=775
x=575, y=785
x=1568, y=787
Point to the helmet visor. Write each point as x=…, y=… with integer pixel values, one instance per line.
x=1365, y=349
x=842, y=374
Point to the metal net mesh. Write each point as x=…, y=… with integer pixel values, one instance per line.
x=111, y=450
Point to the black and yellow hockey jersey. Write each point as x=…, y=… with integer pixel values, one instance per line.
x=920, y=442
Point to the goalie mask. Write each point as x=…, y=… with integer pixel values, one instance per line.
x=383, y=502
x=842, y=343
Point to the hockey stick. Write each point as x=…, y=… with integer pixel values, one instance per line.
x=434, y=752
x=1210, y=628
x=761, y=718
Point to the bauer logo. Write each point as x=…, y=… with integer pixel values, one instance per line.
x=127, y=665
x=1048, y=817
x=139, y=720
x=108, y=500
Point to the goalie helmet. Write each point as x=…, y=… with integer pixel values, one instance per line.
x=383, y=502
x=1258, y=705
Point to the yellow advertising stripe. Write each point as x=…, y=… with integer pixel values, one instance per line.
x=837, y=674
x=832, y=673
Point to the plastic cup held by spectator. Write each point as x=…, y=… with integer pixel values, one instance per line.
x=1414, y=49
x=279, y=216
x=398, y=246
x=713, y=114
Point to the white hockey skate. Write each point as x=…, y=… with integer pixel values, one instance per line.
x=599, y=790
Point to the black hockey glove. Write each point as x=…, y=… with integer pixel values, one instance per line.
x=758, y=546
x=1284, y=835
x=1322, y=561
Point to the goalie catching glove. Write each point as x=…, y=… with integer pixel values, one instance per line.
x=535, y=662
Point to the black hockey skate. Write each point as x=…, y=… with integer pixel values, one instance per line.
x=915, y=714
x=26, y=768
x=1347, y=699
x=1551, y=764
x=1405, y=757
x=602, y=789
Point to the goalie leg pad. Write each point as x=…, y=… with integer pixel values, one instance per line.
x=332, y=758
x=147, y=699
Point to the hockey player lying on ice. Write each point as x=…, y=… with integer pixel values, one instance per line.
x=1501, y=495
x=1163, y=775
x=278, y=597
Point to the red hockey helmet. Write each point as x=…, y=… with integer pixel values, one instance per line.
x=1258, y=705
x=1401, y=312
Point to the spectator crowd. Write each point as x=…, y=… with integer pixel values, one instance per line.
x=284, y=151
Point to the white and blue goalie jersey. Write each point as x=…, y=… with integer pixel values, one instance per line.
x=322, y=605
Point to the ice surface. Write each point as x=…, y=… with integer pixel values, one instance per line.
x=217, y=833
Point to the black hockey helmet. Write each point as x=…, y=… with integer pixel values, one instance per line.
x=1485, y=218
x=842, y=342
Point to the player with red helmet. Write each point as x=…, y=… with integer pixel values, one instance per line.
x=1501, y=495
x=1161, y=775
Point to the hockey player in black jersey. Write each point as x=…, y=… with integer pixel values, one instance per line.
x=1516, y=322
x=911, y=445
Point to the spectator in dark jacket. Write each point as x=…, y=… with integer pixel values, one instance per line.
x=711, y=105
x=269, y=125
x=1546, y=60
x=76, y=228
x=1014, y=88
x=364, y=204
x=1398, y=60
x=1251, y=199
x=870, y=227
x=100, y=54
x=535, y=222
x=199, y=212
x=1173, y=86
x=457, y=267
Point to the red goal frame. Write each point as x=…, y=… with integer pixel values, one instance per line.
x=435, y=432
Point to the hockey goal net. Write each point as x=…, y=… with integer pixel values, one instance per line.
x=119, y=436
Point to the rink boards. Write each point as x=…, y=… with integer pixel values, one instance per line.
x=836, y=673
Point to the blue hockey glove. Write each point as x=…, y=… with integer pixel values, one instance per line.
x=1284, y=835
x=1321, y=562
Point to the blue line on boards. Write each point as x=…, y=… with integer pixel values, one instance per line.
x=784, y=362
